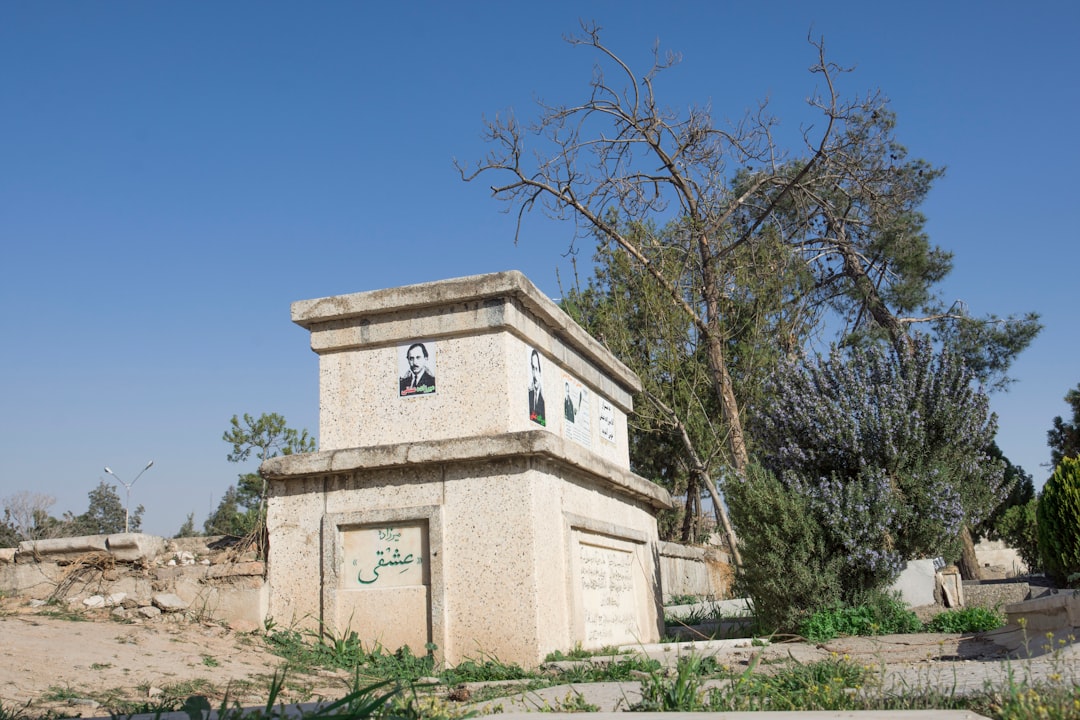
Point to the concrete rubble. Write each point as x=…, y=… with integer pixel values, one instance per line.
x=141, y=577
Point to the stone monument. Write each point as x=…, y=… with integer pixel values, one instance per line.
x=473, y=490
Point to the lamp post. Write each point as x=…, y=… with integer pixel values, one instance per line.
x=127, y=487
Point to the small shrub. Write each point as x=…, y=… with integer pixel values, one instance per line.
x=788, y=571
x=1058, y=520
x=878, y=614
x=965, y=620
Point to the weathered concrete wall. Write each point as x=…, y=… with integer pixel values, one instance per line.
x=698, y=572
x=998, y=560
x=507, y=527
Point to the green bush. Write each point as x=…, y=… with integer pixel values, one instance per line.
x=1058, y=520
x=878, y=613
x=1018, y=527
x=787, y=570
x=965, y=620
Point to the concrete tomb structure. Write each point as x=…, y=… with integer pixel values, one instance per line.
x=473, y=487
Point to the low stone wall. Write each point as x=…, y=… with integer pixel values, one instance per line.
x=133, y=572
x=996, y=595
x=689, y=571
x=999, y=561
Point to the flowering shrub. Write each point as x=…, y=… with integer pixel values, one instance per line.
x=886, y=451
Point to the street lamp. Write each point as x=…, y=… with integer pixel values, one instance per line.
x=127, y=487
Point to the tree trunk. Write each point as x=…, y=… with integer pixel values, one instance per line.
x=969, y=563
x=729, y=406
x=689, y=523
x=722, y=516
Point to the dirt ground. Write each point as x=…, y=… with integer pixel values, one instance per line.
x=82, y=667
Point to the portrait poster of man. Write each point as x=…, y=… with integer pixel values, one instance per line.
x=416, y=368
x=537, y=412
x=576, y=424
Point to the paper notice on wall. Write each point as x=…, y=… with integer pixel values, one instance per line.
x=607, y=421
x=576, y=415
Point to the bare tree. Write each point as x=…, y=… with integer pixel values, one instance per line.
x=845, y=203
x=28, y=513
x=621, y=155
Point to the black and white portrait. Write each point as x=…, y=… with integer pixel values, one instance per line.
x=416, y=369
x=536, y=389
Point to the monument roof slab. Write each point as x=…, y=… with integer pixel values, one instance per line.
x=329, y=315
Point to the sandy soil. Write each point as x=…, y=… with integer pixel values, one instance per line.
x=85, y=667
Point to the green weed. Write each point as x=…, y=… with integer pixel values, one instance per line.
x=580, y=654
x=486, y=670
x=63, y=614
x=617, y=670
x=679, y=693
x=573, y=702
x=13, y=713
x=879, y=614
x=55, y=693
x=308, y=651
x=965, y=620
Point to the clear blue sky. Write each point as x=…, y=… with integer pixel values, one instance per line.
x=174, y=174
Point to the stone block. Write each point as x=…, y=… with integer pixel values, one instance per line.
x=169, y=603
x=63, y=549
x=916, y=583
x=479, y=334
x=134, y=547
x=952, y=587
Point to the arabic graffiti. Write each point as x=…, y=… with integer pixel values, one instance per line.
x=385, y=556
x=389, y=534
x=387, y=559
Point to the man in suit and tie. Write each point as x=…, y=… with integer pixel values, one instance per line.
x=536, y=391
x=419, y=380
